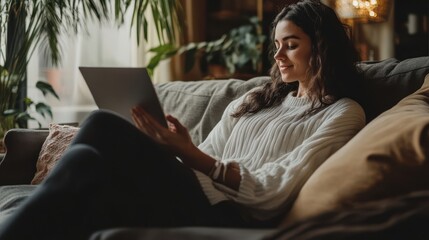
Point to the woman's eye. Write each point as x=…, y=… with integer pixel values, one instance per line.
x=288, y=47
x=291, y=47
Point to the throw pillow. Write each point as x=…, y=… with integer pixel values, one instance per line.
x=56, y=143
x=387, y=158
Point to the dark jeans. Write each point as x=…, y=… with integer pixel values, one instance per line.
x=114, y=176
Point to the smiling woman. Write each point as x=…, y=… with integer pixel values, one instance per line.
x=246, y=173
x=293, y=53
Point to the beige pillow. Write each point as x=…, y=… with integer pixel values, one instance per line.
x=56, y=143
x=388, y=157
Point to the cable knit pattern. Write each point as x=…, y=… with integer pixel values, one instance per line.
x=52, y=150
x=277, y=150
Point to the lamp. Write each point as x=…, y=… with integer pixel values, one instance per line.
x=356, y=12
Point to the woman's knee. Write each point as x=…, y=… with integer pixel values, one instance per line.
x=79, y=161
x=81, y=154
x=103, y=125
x=104, y=117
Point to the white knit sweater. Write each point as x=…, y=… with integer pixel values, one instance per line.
x=277, y=150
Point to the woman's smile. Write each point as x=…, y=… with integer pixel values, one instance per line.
x=285, y=67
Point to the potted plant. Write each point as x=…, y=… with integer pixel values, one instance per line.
x=235, y=52
x=25, y=23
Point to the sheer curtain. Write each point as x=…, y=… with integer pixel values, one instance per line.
x=105, y=45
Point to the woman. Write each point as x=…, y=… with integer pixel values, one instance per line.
x=246, y=173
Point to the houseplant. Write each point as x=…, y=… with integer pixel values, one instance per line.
x=26, y=23
x=234, y=52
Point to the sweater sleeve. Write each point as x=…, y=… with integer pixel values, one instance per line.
x=268, y=190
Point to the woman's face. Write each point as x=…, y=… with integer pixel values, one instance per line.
x=293, y=52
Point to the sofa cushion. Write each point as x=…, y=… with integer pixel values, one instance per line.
x=389, y=157
x=199, y=104
x=387, y=82
x=11, y=197
x=398, y=217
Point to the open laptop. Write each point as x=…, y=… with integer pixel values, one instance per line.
x=120, y=89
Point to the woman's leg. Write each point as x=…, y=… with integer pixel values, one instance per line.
x=55, y=208
x=164, y=191
x=113, y=176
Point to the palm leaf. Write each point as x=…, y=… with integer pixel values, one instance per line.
x=165, y=15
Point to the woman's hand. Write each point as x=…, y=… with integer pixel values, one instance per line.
x=176, y=137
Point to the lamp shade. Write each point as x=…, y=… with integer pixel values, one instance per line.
x=363, y=10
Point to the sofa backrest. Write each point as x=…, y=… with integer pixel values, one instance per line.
x=199, y=104
x=387, y=82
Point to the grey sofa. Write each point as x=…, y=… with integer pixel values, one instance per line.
x=199, y=106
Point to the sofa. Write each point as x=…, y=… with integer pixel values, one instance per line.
x=360, y=192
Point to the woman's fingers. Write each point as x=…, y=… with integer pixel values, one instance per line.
x=177, y=125
x=148, y=118
x=176, y=137
x=142, y=121
x=147, y=124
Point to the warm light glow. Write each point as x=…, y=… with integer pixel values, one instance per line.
x=364, y=10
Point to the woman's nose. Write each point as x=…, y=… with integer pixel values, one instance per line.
x=279, y=55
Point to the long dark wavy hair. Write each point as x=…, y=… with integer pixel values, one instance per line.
x=333, y=70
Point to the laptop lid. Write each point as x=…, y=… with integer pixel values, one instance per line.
x=120, y=89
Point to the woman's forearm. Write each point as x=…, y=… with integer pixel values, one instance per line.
x=227, y=174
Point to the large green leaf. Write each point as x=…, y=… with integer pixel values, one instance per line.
x=10, y=112
x=25, y=116
x=46, y=88
x=44, y=110
x=161, y=52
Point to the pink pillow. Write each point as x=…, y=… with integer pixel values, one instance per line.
x=56, y=143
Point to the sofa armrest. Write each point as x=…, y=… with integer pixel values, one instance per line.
x=22, y=150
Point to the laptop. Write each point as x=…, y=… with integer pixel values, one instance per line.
x=120, y=89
